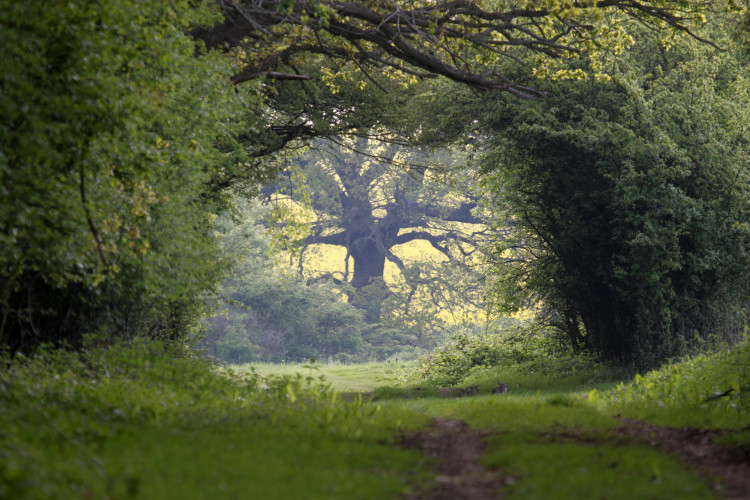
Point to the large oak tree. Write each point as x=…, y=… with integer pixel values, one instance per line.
x=370, y=197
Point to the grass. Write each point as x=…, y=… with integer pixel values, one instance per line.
x=547, y=468
x=522, y=381
x=134, y=422
x=515, y=413
x=555, y=435
x=366, y=377
x=256, y=461
x=705, y=391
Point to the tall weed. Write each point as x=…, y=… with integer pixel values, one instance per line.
x=711, y=390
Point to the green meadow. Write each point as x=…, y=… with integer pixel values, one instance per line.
x=138, y=422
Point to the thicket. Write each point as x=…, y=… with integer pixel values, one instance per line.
x=116, y=127
x=627, y=204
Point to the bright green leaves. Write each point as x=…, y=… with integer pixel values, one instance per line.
x=625, y=209
x=113, y=129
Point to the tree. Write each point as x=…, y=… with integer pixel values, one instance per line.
x=368, y=198
x=629, y=204
x=332, y=68
x=267, y=314
x=113, y=135
x=463, y=40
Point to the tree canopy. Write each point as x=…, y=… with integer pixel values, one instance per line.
x=629, y=204
x=113, y=134
x=489, y=46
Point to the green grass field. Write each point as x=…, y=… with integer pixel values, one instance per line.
x=133, y=423
x=366, y=377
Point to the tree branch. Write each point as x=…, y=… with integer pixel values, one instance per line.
x=428, y=36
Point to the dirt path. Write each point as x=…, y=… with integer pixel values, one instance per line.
x=696, y=447
x=460, y=477
x=457, y=449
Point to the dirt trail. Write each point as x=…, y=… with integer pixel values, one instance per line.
x=730, y=470
x=460, y=477
x=457, y=449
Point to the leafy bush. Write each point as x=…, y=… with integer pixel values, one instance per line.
x=509, y=343
x=626, y=202
x=457, y=355
x=513, y=349
x=287, y=320
x=235, y=346
x=710, y=389
x=109, y=149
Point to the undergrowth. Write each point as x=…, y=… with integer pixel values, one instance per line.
x=135, y=421
x=525, y=357
x=709, y=390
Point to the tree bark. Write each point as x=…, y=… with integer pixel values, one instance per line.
x=369, y=267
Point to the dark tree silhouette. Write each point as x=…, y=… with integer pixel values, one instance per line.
x=368, y=200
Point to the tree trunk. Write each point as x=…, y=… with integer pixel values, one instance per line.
x=369, y=265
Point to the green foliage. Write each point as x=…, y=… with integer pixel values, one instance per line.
x=452, y=360
x=505, y=344
x=113, y=130
x=291, y=320
x=143, y=421
x=711, y=390
x=267, y=315
x=627, y=205
x=235, y=346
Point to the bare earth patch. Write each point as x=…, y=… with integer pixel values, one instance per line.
x=730, y=471
x=459, y=475
x=457, y=448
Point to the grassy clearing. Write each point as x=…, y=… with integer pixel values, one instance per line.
x=134, y=423
x=366, y=377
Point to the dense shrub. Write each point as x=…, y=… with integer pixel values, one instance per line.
x=627, y=206
x=275, y=319
x=507, y=343
x=109, y=150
